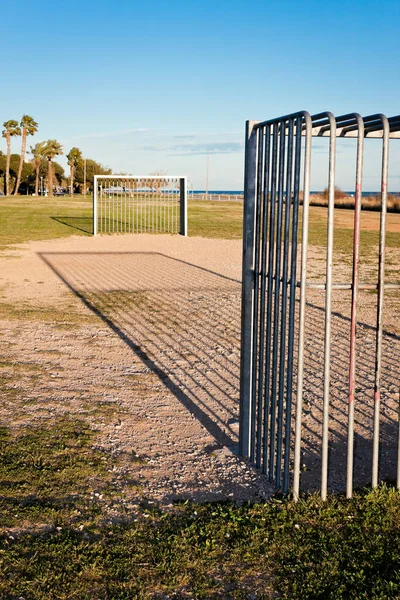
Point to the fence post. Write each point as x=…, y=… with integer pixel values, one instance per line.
x=246, y=417
x=183, y=206
x=95, y=205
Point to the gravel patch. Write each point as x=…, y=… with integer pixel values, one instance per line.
x=142, y=338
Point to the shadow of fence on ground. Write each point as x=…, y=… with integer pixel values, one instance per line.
x=84, y=224
x=183, y=322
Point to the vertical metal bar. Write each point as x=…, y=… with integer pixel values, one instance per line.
x=130, y=206
x=254, y=376
x=143, y=197
x=285, y=269
x=103, y=201
x=145, y=203
x=153, y=204
x=398, y=446
x=124, y=207
x=169, y=205
x=270, y=283
x=113, y=206
x=261, y=364
x=165, y=217
x=108, y=208
x=353, y=320
x=247, y=289
x=292, y=302
x=183, y=206
x=380, y=300
x=95, y=206
x=99, y=208
x=328, y=304
x=119, y=202
x=177, y=213
x=172, y=205
x=116, y=206
x=277, y=290
x=134, y=209
x=303, y=288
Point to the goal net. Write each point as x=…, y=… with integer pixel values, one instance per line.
x=133, y=204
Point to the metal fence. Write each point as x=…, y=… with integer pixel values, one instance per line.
x=215, y=197
x=134, y=204
x=275, y=260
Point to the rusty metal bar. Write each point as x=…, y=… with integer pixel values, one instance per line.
x=381, y=293
x=353, y=319
x=328, y=304
x=302, y=311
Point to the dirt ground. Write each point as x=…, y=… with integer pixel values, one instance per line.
x=140, y=335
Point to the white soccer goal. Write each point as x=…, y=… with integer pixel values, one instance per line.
x=139, y=204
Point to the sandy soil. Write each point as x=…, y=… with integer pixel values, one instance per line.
x=141, y=335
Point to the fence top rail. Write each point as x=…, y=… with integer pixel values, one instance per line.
x=140, y=177
x=346, y=125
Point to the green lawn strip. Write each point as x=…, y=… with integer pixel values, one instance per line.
x=337, y=549
x=28, y=218
x=215, y=219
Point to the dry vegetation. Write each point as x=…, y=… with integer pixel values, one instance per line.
x=343, y=200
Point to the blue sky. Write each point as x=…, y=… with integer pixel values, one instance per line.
x=143, y=86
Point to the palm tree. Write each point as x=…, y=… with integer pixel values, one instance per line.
x=11, y=128
x=37, y=152
x=74, y=159
x=52, y=148
x=29, y=127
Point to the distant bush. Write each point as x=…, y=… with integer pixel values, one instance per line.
x=339, y=194
x=343, y=200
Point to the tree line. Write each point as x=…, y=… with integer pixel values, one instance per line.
x=20, y=175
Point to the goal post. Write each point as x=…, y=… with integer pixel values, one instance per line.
x=140, y=204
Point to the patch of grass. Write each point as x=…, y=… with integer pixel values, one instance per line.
x=63, y=316
x=343, y=234
x=215, y=219
x=28, y=218
x=314, y=550
x=19, y=366
x=7, y=389
x=49, y=473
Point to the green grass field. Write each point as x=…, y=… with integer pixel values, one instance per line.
x=56, y=537
x=26, y=218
